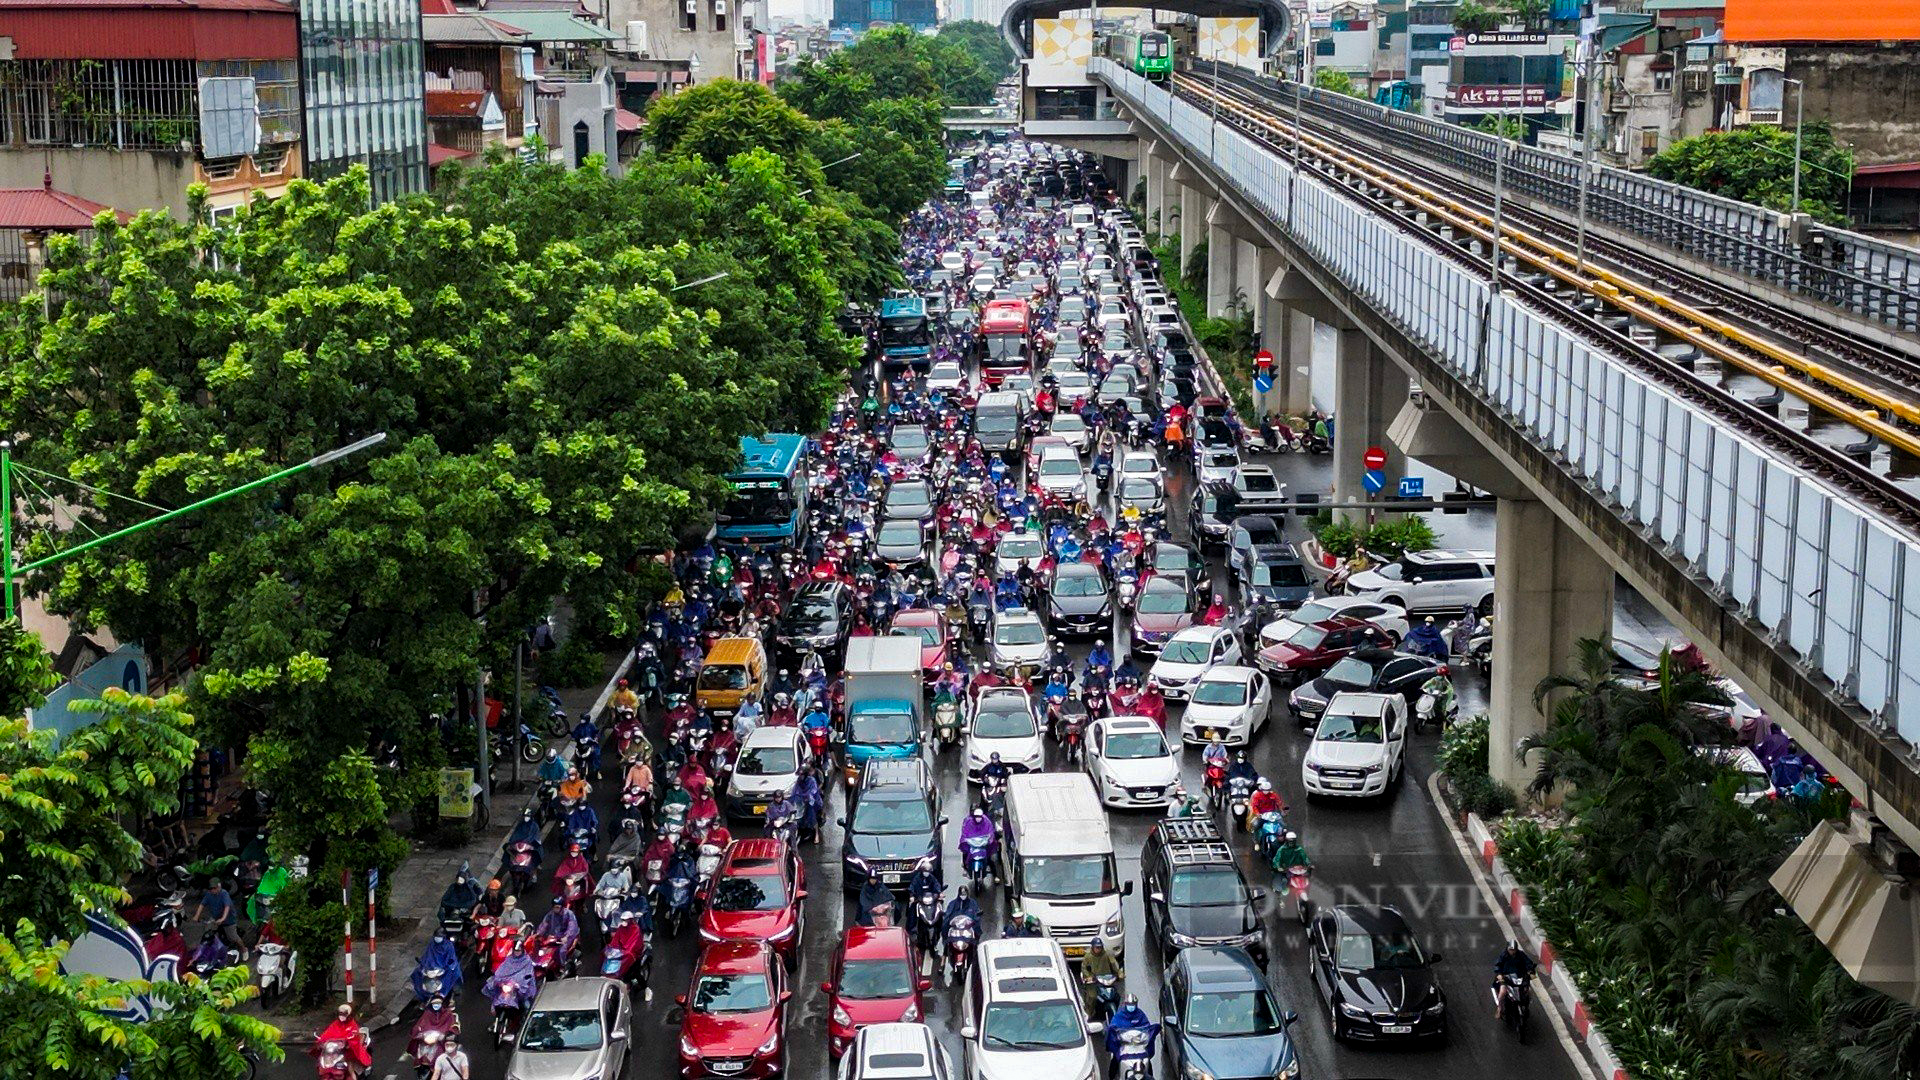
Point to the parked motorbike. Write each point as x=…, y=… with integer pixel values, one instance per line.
x=273, y=970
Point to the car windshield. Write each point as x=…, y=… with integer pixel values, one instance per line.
x=871, y=815
x=1139, y=489
x=1346, y=728
x=1170, y=558
x=731, y=994
x=1061, y=465
x=900, y=534
x=1080, y=584
x=928, y=634
x=748, y=892
x=1305, y=637
x=560, y=1030
x=996, y=423
x=1067, y=876
x=875, y=980
x=723, y=677
x=912, y=499
x=1280, y=575
x=768, y=761
x=1069, y=424
x=1207, y=886
x=1136, y=745
x=1220, y=692
x=1022, y=632
x=1350, y=672
x=880, y=728
x=1032, y=1025
x=1020, y=547
x=1187, y=652
x=1162, y=601
x=909, y=437
x=1223, y=459
x=1314, y=611
x=945, y=372
x=1233, y=1012
x=1362, y=951
x=1003, y=723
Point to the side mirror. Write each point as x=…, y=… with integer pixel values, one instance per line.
x=1434, y=958
x=1257, y=894
x=944, y=819
x=680, y=1000
x=926, y=984
x=617, y=1035
x=800, y=894
x=1095, y=1027
x=968, y=1031
x=826, y=988
x=842, y=822
x=1156, y=896
x=786, y=996
x=1126, y=889
x=1290, y=1018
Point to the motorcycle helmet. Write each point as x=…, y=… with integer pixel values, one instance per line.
x=436, y=1003
x=1131, y=1001
x=995, y=759
x=344, y=1012
x=1097, y=946
x=553, y=754
x=1265, y=784
x=1290, y=836
x=510, y=903
x=623, y=684
x=1240, y=756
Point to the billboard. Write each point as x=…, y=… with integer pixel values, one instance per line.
x=1497, y=97
x=1797, y=20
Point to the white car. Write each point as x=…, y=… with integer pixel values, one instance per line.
x=1230, y=699
x=770, y=764
x=1003, y=722
x=1190, y=654
x=1014, y=549
x=1070, y=386
x=1438, y=581
x=1391, y=619
x=952, y=260
x=1061, y=473
x=1218, y=465
x=1139, y=463
x=1068, y=425
x=1359, y=747
x=1130, y=762
x=1019, y=640
x=983, y=283
x=946, y=375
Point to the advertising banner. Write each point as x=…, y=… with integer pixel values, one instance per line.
x=1497, y=97
x=1797, y=20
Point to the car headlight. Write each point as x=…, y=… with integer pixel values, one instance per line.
x=1436, y=1008
x=841, y=1017
x=768, y=1047
x=857, y=862
x=1371, y=769
x=784, y=934
x=1352, y=1010
x=1184, y=941
x=708, y=935
x=687, y=1049
x=1248, y=939
x=1114, y=926
x=1312, y=765
x=912, y=1015
x=926, y=862
x=1289, y=1071
x=1106, y=611
x=1195, y=1072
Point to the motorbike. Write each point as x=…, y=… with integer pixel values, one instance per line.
x=498, y=950
x=606, y=905
x=550, y=959
x=1070, y=737
x=925, y=918
x=1297, y=883
x=570, y=892
x=332, y=1061
x=1239, y=792
x=1106, y=997
x=1216, y=783
x=1128, y=586
x=1479, y=651
x=480, y=943
x=962, y=934
x=1134, y=1056
x=532, y=746
x=507, y=1014
x=784, y=828
x=1435, y=709
x=709, y=861
x=676, y=904
x=1267, y=832
x=946, y=723
x=212, y=956
x=979, y=860
x=633, y=968
x=427, y=1050
x=273, y=970
x=1511, y=997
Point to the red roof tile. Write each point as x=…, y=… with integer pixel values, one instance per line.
x=47, y=208
x=624, y=121
x=455, y=104
x=438, y=155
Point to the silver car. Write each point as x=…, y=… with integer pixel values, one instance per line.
x=576, y=1030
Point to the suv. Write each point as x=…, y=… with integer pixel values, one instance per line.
x=1270, y=575
x=1359, y=747
x=1195, y=894
x=1222, y=1018
x=895, y=1052
x=1259, y=490
x=818, y=619
x=1435, y=581
x=1021, y=1014
x=1211, y=515
x=893, y=827
x=1250, y=530
x=1365, y=669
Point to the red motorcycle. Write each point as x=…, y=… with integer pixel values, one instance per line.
x=1216, y=783
x=501, y=947
x=1070, y=737
x=485, y=929
x=1297, y=888
x=817, y=742
x=550, y=960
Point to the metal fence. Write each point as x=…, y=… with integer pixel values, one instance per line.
x=125, y=104
x=1836, y=586
x=1878, y=281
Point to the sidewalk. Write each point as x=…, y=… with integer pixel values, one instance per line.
x=414, y=897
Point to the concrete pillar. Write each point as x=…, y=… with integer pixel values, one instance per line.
x=1367, y=394
x=1220, y=267
x=1193, y=223
x=1266, y=310
x=1550, y=591
x=1160, y=200
x=1246, y=276
x=1297, y=359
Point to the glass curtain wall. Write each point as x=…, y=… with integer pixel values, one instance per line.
x=363, y=77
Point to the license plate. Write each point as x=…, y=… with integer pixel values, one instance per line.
x=1145, y=793
x=1342, y=784
x=1074, y=950
x=1210, y=732
x=759, y=808
x=893, y=877
x=728, y=1066
x=1396, y=1029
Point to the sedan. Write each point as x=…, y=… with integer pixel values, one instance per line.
x=1375, y=979
x=771, y=761
x=1016, y=548
x=1223, y=1019
x=1386, y=617
x=1130, y=762
x=1232, y=701
x=1190, y=654
x=901, y=543
x=875, y=980
x=1037, y=450
x=1019, y=641
x=578, y=1029
x=930, y=626
x=1003, y=722
x=1259, y=490
x=733, y=1017
x=1218, y=465
x=1080, y=603
x=1060, y=474
x=1139, y=463
x=908, y=499
x=945, y=375
x=1363, y=669
x=1141, y=494
x=908, y=442
x=1170, y=560
x=755, y=895
x=1305, y=651
x=1067, y=424
x=1164, y=607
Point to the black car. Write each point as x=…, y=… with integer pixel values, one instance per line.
x=1216, y=435
x=1211, y=515
x=819, y=619
x=1270, y=575
x=1179, y=562
x=1223, y=1020
x=894, y=825
x=1373, y=670
x=1080, y=602
x=1195, y=894
x=1179, y=389
x=1376, y=980
x=1250, y=531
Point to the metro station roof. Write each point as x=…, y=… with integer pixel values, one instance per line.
x=1273, y=14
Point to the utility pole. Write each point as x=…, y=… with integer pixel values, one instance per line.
x=1799, y=114
x=1499, y=188
x=1589, y=100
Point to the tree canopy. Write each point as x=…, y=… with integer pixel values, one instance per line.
x=984, y=41
x=1755, y=164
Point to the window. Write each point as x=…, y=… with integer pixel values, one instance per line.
x=1650, y=136
x=720, y=16
x=1663, y=81
x=690, y=16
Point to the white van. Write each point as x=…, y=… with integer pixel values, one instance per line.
x=1060, y=864
x=1081, y=217
x=1021, y=1015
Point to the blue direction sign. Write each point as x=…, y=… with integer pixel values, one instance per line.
x=1374, y=481
x=1263, y=382
x=1413, y=487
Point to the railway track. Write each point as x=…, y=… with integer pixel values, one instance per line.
x=1662, y=319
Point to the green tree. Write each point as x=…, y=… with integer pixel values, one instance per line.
x=1755, y=164
x=1507, y=127
x=1472, y=15
x=963, y=79
x=1337, y=81
x=984, y=41
x=719, y=119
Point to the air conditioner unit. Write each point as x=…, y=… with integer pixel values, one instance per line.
x=637, y=38
x=719, y=7
x=693, y=7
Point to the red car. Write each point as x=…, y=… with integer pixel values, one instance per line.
x=1164, y=607
x=755, y=896
x=930, y=626
x=1315, y=647
x=876, y=980
x=733, y=1017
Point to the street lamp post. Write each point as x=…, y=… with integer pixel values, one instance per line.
x=8, y=571
x=1799, y=114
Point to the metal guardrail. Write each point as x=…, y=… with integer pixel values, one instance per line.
x=1827, y=578
x=1871, y=279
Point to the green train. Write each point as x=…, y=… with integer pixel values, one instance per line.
x=1148, y=53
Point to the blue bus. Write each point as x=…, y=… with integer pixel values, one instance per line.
x=905, y=339
x=769, y=503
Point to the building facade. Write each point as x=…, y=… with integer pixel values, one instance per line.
x=363, y=77
x=127, y=104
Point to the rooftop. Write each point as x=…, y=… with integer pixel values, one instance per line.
x=46, y=207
